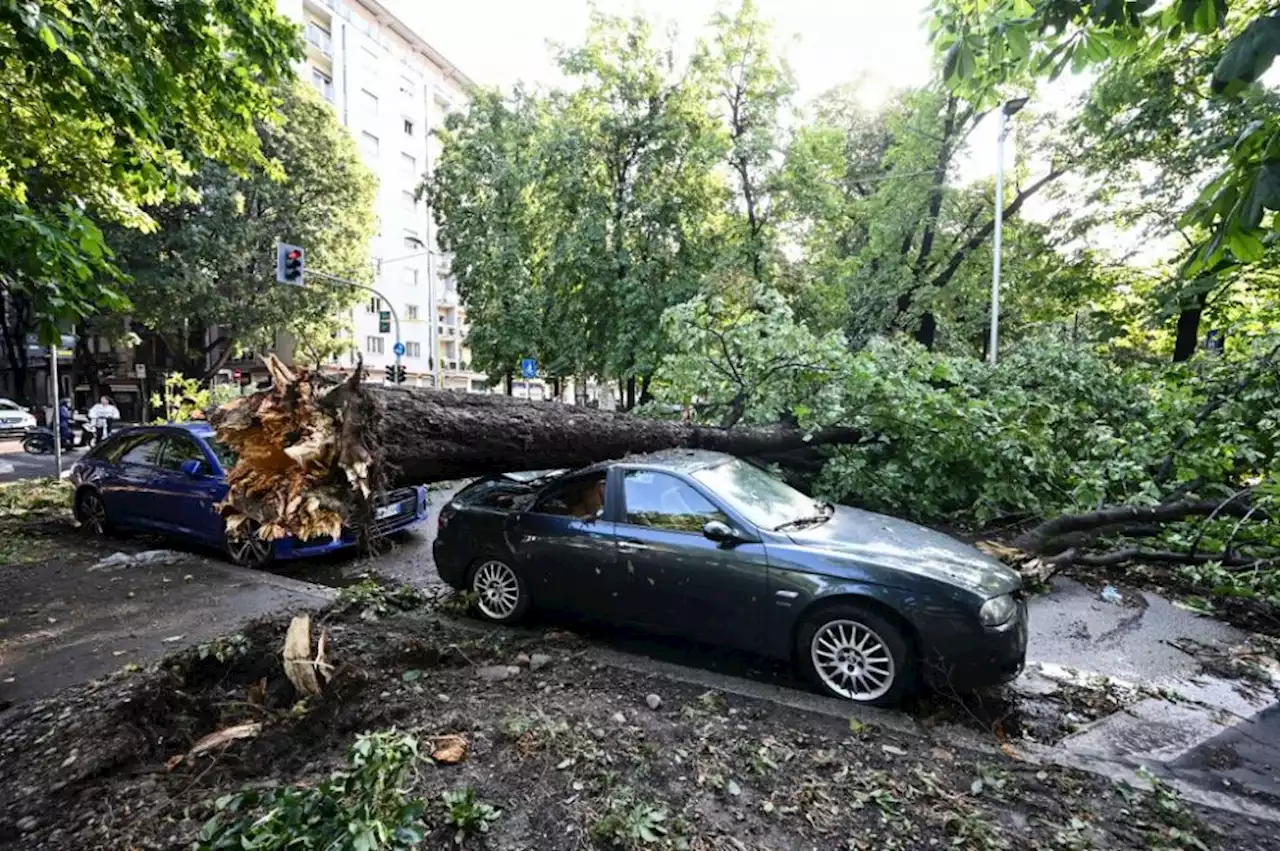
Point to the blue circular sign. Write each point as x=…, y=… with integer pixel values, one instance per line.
x=528, y=367
x=398, y=348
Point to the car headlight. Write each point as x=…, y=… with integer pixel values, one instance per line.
x=998, y=610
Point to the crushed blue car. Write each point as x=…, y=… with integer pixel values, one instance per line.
x=167, y=479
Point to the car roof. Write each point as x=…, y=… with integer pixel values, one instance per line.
x=196, y=429
x=671, y=460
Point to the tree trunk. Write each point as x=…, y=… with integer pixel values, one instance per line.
x=1188, y=339
x=927, y=333
x=311, y=456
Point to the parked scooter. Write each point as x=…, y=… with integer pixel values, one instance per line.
x=38, y=440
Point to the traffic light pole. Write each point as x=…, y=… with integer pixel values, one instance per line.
x=395, y=317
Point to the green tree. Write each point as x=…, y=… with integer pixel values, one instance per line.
x=992, y=46
x=102, y=116
x=496, y=218
x=578, y=216
x=211, y=262
x=752, y=89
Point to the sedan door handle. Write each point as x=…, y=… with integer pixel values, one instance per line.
x=631, y=546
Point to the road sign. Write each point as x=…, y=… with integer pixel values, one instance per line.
x=384, y=321
x=398, y=348
x=528, y=367
x=1214, y=341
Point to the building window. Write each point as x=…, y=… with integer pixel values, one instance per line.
x=409, y=202
x=407, y=87
x=323, y=83
x=319, y=36
x=408, y=127
x=411, y=239
x=408, y=165
x=410, y=277
x=412, y=349
x=373, y=305
x=369, y=144
x=368, y=59
x=368, y=102
x=479, y=386
x=373, y=345
x=411, y=312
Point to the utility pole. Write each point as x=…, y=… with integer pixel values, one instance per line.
x=1006, y=111
x=57, y=410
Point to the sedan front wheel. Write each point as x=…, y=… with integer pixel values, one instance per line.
x=249, y=550
x=855, y=654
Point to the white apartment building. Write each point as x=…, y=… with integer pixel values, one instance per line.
x=390, y=88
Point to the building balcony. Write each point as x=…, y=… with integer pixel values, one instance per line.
x=449, y=297
x=319, y=40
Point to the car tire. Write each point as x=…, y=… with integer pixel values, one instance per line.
x=853, y=653
x=251, y=551
x=501, y=593
x=91, y=513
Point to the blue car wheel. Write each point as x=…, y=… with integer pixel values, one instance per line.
x=249, y=550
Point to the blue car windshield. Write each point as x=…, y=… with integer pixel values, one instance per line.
x=759, y=497
x=226, y=458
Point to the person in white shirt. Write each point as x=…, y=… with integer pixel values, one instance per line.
x=101, y=415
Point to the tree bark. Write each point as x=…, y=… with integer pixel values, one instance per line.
x=312, y=457
x=1188, y=338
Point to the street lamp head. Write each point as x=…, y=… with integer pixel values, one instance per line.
x=1013, y=105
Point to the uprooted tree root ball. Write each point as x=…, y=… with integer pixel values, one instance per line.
x=305, y=460
x=312, y=453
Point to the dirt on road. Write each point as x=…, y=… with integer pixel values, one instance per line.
x=569, y=753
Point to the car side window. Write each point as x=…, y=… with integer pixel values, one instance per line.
x=146, y=451
x=178, y=449
x=114, y=447
x=583, y=498
x=662, y=501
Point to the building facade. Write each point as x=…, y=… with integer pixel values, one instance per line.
x=391, y=89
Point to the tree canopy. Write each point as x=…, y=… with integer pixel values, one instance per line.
x=104, y=117
x=211, y=260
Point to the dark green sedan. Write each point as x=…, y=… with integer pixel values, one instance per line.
x=708, y=546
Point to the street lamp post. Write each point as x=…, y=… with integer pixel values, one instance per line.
x=1008, y=109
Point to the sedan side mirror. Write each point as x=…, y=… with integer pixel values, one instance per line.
x=192, y=467
x=721, y=533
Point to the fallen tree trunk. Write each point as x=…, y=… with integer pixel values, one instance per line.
x=311, y=454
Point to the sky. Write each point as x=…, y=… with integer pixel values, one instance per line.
x=827, y=42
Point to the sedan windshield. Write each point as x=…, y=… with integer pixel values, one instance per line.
x=763, y=500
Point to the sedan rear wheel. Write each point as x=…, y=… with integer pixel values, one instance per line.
x=500, y=593
x=249, y=550
x=856, y=655
x=91, y=511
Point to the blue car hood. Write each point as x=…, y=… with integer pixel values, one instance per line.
x=902, y=545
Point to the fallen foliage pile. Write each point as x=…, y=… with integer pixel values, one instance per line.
x=505, y=741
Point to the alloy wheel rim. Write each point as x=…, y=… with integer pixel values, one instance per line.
x=497, y=588
x=95, y=514
x=248, y=550
x=852, y=660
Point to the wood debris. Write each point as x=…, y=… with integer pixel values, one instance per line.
x=306, y=672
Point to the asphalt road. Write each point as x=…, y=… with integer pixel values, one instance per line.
x=16, y=465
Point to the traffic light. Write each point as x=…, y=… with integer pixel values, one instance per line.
x=291, y=263
x=400, y=376
x=384, y=321
x=391, y=373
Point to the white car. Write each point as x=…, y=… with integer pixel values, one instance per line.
x=14, y=419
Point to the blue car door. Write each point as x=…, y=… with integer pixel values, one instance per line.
x=126, y=483
x=185, y=489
